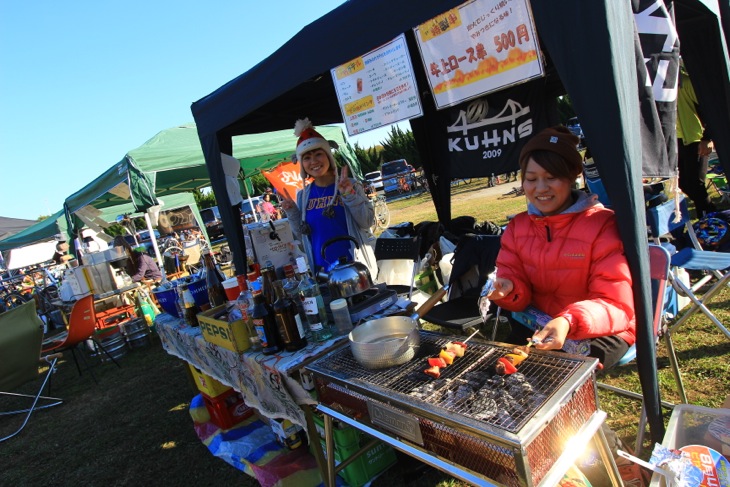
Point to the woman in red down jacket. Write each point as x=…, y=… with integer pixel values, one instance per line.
x=564, y=256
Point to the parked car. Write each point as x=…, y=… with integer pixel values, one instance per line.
x=249, y=208
x=213, y=223
x=392, y=171
x=375, y=179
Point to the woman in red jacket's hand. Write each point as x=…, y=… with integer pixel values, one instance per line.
x=564, y=256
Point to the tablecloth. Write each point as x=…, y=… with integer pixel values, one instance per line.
x=267, y=382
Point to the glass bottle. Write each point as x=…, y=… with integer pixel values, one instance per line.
x=268, y=276
x=313, y=304
x=288, y=321
x=216, y=292
x=291, y=288
x=190, y=309
x=264, y=323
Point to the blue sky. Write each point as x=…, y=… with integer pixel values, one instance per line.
x=82, y=83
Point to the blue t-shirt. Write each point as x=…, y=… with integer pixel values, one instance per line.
x=325, y=228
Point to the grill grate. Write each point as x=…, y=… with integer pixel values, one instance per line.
x=468, y=387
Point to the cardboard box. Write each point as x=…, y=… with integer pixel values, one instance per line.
x=207, y=384
x=232, y=336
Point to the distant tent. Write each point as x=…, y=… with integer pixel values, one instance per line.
x=11, y=226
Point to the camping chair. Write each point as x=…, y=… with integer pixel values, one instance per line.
x=659, y=274
x=662, y=221
x=474, y=259
x=192, y=250
x=388, y=253
x=81, y=327
x=21, y=334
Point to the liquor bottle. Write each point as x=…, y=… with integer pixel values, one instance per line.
x=313, y=304
x=216, y=292
x=288, y=321
x=264, y=323
x=190, y=309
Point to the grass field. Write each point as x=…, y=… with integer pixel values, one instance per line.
x=133, y=427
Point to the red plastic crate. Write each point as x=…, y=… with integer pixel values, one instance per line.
x=114, y=316
x=227, y=410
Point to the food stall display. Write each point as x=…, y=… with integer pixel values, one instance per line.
x=521, y=429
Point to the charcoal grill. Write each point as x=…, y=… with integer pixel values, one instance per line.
x=520, y=430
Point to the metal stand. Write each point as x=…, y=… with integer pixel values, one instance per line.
x=591, y=430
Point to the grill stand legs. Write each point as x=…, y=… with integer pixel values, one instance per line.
x=592, y=429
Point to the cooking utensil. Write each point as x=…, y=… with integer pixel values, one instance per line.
x=385, y=342
x=346, y=278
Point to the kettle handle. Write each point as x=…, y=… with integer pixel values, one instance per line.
x=337, y=239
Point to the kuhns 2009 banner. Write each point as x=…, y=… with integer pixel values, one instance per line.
x=486, y=134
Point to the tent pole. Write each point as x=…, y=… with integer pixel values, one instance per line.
x=160, y=262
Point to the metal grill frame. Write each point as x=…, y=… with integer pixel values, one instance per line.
x=522, y=457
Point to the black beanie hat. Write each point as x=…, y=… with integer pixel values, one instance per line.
x=557, y=139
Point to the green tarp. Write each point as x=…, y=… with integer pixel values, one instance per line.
x=43, y=230
x=56, y=223
x=172, y=162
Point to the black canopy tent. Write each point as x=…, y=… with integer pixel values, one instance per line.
x=591, y=46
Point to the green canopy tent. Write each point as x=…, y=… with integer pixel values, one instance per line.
x=172, y=161
x=43, y=230
x=170, y=202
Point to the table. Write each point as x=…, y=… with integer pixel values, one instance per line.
x=268, y=383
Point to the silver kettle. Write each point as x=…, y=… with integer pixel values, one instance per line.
x=346, y=278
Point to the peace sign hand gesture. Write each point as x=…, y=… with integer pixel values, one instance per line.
x=344, y=185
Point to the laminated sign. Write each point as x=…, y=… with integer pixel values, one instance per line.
x=273, y=244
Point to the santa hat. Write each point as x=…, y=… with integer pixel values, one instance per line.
x=310, y=139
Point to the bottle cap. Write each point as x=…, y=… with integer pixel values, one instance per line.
x=289, y=270
x=338, y=304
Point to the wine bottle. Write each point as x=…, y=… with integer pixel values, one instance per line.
x=264, y=323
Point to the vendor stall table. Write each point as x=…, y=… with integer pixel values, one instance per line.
x=269, y=383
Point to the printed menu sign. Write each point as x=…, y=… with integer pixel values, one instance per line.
x=378, y=88
x=479, y=47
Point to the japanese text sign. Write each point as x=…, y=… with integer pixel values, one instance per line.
x=477, y=48
x=378, y=88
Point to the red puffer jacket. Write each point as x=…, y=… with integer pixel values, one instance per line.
x=570, y=265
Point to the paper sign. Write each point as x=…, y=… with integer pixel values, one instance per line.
x=378, y=88
x=479, y=47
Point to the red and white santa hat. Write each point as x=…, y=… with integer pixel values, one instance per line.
x=310, y=139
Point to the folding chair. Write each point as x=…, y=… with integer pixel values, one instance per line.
x=192, y=249
x=662, y=220
x=659, y=274
x=81, y=327
x=21, y=335
x=474, y=259
x=388, y=251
